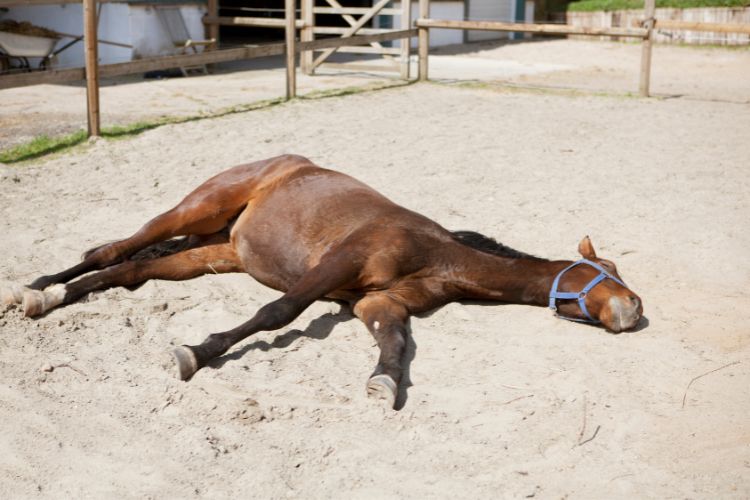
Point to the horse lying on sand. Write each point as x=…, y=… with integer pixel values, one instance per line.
x=314, y=233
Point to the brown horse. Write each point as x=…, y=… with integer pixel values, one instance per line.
x=315, y=233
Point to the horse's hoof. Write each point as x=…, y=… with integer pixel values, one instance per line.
x=383, y=387
x=11, y=293
x=33, y=303
x=187, y=363
x=36, y=303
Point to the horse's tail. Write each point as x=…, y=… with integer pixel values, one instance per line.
x=156, y=250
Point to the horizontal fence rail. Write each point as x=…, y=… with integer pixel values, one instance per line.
x=254, y=22
x=701, y=26
x=209, y=57
x=551, y=29
x=354, y=10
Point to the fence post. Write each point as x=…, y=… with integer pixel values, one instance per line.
x=424, y=40
x=405, y=42
x=649, y=8
x=291, y=69
x=307, y=35
x=212, y=29
x=92, y=66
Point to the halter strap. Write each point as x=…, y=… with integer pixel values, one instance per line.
x=554, y=295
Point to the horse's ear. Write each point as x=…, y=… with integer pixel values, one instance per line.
x=586, y=249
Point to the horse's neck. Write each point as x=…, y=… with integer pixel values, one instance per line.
x=480, y=275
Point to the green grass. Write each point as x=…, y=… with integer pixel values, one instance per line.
x=40, y=146
x=505, y=87
x=608, y=5
x=44, y=145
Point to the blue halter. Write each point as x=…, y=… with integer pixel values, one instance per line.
x=554, y=295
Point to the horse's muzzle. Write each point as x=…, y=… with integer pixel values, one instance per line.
x=624, y=313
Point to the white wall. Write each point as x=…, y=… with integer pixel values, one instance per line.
x=438, y=10
x=148, y=36
x=490, y=10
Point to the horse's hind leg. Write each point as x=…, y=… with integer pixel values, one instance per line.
x=205, y=211
x=220, y=258
x=386, y=319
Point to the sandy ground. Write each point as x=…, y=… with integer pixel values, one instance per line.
x=500, y=401
x=611, y=68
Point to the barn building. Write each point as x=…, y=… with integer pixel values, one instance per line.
x=133, y=29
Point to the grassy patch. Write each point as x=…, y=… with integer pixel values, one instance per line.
x=40, y=146
x=44, y=145
x=608, y=5
x=322, y=94
x=505, y=87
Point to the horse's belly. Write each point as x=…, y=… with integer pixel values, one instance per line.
x=271, y=255
x=283, y=233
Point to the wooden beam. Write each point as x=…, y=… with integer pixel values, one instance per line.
x=645, y=79
x=370, y=50
x=424, y=39
x=354, y=10
x=353, y=29
x=291, y=63
x=355, y=40
x=350, y=20
x=669, y=24
x=210, y=57
x=256, y=22
x=405, y=44
x=42, y=77
x=329, y=30
x=550, y=29
x=91, y=55
x=212, y=30
x=388, y=66
x=307, y=35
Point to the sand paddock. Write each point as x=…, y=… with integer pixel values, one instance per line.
x=502, y=401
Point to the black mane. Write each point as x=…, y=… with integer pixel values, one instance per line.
x=488, y=245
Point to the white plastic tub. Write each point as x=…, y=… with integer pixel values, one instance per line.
x=26, y=46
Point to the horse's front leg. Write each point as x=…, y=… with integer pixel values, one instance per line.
x=332, y=273
x=386, y=320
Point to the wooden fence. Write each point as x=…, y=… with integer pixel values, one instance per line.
x=350, y=37
x=92, y=72
x=424, y=23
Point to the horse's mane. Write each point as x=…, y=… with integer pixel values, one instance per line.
x=488, y=245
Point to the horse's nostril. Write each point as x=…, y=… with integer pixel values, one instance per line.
x=635, y=300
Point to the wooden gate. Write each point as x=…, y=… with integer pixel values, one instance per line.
x=398, y=57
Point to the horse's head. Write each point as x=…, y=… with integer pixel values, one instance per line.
x=590, y=290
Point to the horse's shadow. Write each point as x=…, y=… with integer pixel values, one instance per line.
x=319, y=329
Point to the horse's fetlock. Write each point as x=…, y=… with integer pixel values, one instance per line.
x=36, y=303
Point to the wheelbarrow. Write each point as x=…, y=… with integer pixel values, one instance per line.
x=21, y=47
